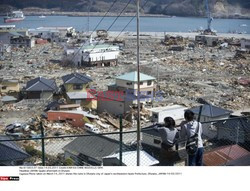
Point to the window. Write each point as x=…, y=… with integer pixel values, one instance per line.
x=149, y=92
x=4, y=87
x=129, y=83
x=77, y=87
x=149, y=83
x=156, y=141
x=141, y=83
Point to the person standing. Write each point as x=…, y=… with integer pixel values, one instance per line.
x=189, y=128
x=169, y=135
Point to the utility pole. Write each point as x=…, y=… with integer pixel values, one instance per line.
x=138, y=85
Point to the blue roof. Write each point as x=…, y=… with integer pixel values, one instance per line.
x=132, y=76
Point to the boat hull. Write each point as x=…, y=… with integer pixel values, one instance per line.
x=11, y=20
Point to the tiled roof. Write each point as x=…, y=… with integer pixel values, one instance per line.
x=41, y=84
x=76, y=78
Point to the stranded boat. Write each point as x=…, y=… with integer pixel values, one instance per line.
x=15, y=16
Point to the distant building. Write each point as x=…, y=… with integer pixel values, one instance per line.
x=7, y=27
x=40, y=88
x=96, y=55
x=209, y=40
x=76, y=87
x=22, y=41
x=122, y=95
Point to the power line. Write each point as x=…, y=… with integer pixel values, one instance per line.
x=115, y=1
x=107, y=30
x=128, y=24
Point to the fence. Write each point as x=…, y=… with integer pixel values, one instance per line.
x=226, y=142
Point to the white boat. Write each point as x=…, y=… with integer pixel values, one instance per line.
x=15, y=16
x=243, y=25
x=42, y=17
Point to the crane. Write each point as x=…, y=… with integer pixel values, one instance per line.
x=209, y=17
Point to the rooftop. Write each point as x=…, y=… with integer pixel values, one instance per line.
x=132, y=76
x=9, y=151
x=41, y=84
x=211, y=111
x=76, y=78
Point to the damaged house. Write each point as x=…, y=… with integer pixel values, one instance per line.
x=76, y=87
x=40, y=88
x=122, y=95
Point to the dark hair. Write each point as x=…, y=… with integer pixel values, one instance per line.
x=169, y=122
x=189, y=115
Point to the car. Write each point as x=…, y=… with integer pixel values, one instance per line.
x=91, y=128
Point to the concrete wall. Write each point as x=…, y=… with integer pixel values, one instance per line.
x=70, y=88
x=113, y=107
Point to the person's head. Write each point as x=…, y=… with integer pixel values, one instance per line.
x=189, y=115
x=169, y=122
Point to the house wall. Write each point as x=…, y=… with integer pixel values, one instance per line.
x=75, y=119
x=110, y=106
x=95, y=57
x=10, y=86
x=91, y=104
x=70, y=88
x=145, y=86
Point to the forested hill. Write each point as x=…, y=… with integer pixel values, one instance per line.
x=219, y=8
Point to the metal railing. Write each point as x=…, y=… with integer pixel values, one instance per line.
x=226, y=142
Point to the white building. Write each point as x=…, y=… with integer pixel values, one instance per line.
x=7, y=27
x=175, y=111
x=100, y=55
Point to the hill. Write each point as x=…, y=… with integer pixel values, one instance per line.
x=219, y=8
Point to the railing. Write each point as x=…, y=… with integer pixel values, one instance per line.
x=226, y=142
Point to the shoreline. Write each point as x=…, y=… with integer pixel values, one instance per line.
x=112, y=14
x=183, y=34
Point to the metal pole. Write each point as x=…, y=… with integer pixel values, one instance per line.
x=43, y=146
x=120, y=140
x=138, y=84
x=200, y=110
